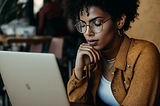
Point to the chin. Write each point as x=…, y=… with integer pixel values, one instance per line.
x=97, y=47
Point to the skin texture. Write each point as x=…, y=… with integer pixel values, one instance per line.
x=106, y=39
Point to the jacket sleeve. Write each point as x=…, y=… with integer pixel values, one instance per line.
x=144, y=85
x=77, y=89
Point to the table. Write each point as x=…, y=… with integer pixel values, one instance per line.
x=30, y=39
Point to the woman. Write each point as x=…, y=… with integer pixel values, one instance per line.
x=111, y=68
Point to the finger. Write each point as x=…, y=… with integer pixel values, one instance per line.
x=84, y=45
x=95, y=57
x=92, y=52
x=97, y=52
x=86, y=52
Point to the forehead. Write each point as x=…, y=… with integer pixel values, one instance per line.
x=93, y=12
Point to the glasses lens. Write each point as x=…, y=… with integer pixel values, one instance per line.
x=96, y=26
x=81, y=26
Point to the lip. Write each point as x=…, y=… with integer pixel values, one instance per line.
x=92, y=42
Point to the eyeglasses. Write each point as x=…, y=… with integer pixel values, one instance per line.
x=96, y=26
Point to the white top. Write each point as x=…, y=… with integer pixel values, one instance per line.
x=105, y=93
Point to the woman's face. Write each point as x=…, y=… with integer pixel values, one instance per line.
x=105, y=39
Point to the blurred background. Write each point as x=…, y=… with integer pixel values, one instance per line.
x=147, y=26
x=38, y=26
x=33, y=25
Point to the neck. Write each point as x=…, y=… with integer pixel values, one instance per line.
x=113, y=51
x=114, y=42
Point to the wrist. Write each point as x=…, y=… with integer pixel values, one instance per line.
x=78, y=73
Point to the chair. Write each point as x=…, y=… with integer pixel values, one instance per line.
x=56, y=47
x=37, y=47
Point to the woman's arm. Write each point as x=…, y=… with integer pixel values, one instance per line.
x=86, y=54
x=77, y=89
x=144, y=85
x=78, y=83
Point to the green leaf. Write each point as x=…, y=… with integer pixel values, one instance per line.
x=2, y=6
x=1, y=2
x=9, y=10
x=10, y=4
x=13, y=11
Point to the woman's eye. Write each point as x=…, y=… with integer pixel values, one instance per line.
x=97, y=23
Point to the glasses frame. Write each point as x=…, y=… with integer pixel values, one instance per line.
x=90, y=26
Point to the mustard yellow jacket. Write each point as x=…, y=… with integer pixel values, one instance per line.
x=135, y=77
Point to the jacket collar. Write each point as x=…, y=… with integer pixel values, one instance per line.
x=121, y=59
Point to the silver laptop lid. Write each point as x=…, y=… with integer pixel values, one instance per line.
x=32, y=79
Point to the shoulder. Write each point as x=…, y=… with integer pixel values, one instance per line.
x=142, y=51
x=143, y=46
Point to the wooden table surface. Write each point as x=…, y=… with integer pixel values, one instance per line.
x=30, y=39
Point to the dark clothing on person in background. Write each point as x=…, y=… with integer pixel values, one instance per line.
x=50, y=19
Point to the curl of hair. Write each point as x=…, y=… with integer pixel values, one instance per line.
x=72, y=9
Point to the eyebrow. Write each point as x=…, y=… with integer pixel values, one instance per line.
x=93, y=19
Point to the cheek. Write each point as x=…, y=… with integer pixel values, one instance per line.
x=85, y=36
x=109, y=30
x=107, y=36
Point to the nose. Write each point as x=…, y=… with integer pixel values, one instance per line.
x=88, y=31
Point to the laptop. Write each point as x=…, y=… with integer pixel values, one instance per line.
x=32, y=79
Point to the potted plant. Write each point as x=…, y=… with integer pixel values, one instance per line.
x=10, y=9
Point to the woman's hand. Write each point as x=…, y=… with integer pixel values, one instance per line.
x=86, y=54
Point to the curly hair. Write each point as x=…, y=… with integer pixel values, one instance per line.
x=115, y=8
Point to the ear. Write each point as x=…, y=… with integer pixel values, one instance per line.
x=121, y=21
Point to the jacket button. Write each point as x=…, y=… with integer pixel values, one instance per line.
x=114, y=90
x=128, y=66
x=112, y=72
x=74, y=83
